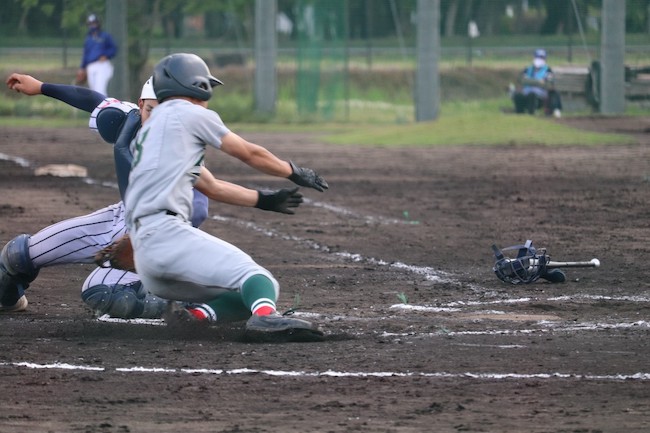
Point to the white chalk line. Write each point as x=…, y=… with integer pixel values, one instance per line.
x=16, y=160
x=639, y=376
x=366, y=218
x=428, y=273
x=460, y=305
x=546, y=328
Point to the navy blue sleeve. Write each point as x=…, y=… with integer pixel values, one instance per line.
x=79, y=97
x=121, y=151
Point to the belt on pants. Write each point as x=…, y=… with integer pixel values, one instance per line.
x=140, y=220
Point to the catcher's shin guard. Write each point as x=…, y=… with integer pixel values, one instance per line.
x=124, y=301
x=16, y=270
x=153, y=307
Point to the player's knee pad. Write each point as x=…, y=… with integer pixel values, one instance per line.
x=16, y=269
x=16, y=260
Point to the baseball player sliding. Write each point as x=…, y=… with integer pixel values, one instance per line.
x=174, y=259
x=116, y=292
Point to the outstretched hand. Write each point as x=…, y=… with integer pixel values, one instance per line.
x=307, y=177
x=282, y=200
x=24, y=84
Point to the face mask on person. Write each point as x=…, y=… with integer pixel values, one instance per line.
x=538, y=62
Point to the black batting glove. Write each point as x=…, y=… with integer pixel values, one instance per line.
x=307, y=177
x=279, y=201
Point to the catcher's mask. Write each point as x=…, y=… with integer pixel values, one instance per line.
x=520, y=263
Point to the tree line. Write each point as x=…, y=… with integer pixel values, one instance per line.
x=232, y=19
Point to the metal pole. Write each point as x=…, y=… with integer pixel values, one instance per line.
x=612, y=54
x=116, y=25
x=346, y=60
x=265, y=55
x=427, y=80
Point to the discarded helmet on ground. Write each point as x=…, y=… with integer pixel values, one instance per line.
x=520, y=263
x=183, y=74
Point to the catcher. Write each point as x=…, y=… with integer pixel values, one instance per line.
x=77, y=240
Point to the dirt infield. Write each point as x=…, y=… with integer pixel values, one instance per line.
x=465, y=352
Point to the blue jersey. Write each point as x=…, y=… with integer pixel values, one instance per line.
x=97, y=44
x=542, y=74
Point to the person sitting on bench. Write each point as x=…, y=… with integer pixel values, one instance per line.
x=536, y=89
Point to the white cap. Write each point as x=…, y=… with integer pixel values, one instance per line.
x=147, y=90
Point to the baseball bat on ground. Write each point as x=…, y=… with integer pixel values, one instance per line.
x=593, y=263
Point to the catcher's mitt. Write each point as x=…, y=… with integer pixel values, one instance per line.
x=118, y=255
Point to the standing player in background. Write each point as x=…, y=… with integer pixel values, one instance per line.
x=178, y=261
x=99, y=49
x=115, y=292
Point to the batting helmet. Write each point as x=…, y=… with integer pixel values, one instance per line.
x=183, y=74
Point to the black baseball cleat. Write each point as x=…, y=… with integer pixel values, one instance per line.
x=276, y=328
x=554, y=276
x=176, y=316
x=20, y=305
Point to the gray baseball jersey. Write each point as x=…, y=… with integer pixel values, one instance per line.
x=175, y=260
x=167, y=166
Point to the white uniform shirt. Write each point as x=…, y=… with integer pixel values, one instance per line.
x=167, y=155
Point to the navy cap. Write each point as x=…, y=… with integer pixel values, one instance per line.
x=540, y=53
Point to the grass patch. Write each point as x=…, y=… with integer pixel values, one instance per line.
x=469, y=128
x=475, y=128
x=44, y=122
x=481, y=122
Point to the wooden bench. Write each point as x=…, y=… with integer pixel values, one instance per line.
x=637, y=85
x=578, y=91
x=573, y=85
